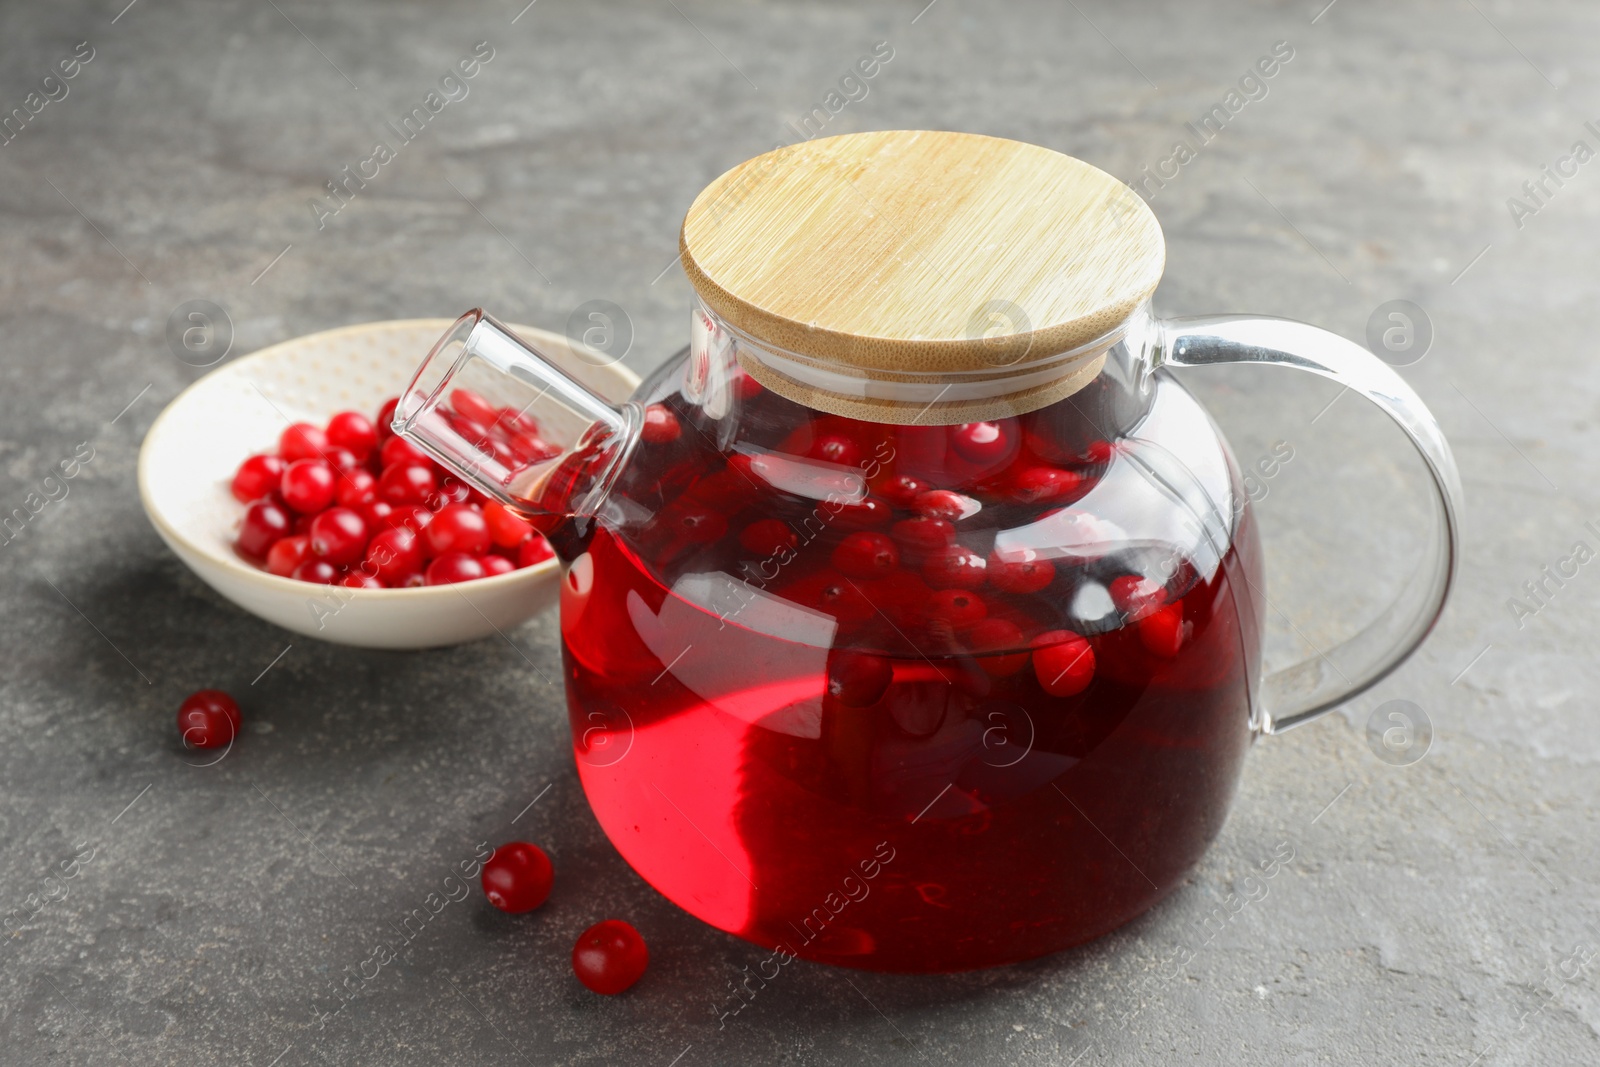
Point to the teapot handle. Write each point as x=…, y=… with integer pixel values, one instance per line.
x=1304, y=691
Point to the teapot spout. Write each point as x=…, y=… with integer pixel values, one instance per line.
x=511, y=423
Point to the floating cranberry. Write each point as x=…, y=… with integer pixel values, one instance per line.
x=835, y=448
x=288, y=553
x=302, y=441
x=407, y=483
x=308, y=485
x=1033, y=485
x=385, y=423
x=356, y=489
x=960, y=608
x=1020, y=575
x=944, y=504
x=453, y=568
x=209, y=718
x=1136, y=596
x=353, y=430
x=360, y=580
x=767, y=537
x=842, y=599
x=989, y=636
x=399, y=450
x=858, y=679
x=696, y=524
x=609, y=957
x=901, y=489
x=264, y=523
x=316, y=571
x=505, y=529
x=955, y=567
x=983, y=442
x=923, y=537
x=1162, y=631
x=1063, y=662
x=865, y=555
x=863, y=514
x=660, y=425
x=257, y=477
x=494, y=564
x=518, y=877
x=473, y=406
x=392, y=554
x=533, y=551
x=1099, y=453
x=339, y=536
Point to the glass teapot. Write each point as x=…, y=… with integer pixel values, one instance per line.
x=912, y=616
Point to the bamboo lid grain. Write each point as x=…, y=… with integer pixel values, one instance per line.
x=860, y=272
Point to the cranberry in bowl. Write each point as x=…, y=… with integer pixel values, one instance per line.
x=216, y=482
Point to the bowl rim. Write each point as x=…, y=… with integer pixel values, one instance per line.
x=277, y=583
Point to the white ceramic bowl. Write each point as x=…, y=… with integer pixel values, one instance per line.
x=191, y=452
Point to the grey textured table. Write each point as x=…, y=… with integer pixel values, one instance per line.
x=1441, y=912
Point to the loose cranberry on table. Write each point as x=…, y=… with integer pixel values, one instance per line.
x=518, y=877
x=257, y=477
x=609, y=957
x=208, y=718
x=1063, y=662
x=308, y=485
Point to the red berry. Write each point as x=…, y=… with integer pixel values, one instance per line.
x=961, y=608
x=302, y=441
x=399, y=450
x=473, y=406
x=865, y=555
x=505, y=529
x=1033, y=485
x=358, y=580
x=451, y=491
x=1099, y=453
x=514, y=422
x=533, y=551
x=385, y=421
x=517, y=878
x=944, y=504
x=1136, y=596
x=1063, y=662
x=660, y=425
x=901, y=489
x=923, y=537
x=288, y=553
x=339, y=536
x=208, y=718
x=341, y=459
x=858, y=679
x=356, y=489
x=493, y=563
x=317, y=571
x=413, y=517
x=308, y=485
x=863, y=514
x=263, y=524
x=956, y=567
x=452, y=568
x=414, y=580
x=377, y=514
x=767, y=537
x=528, y=448
x=983, y=442
x=392, y=554
x=1020, y=572
x=458, y=528
x=354, y=431
x=843, y=600
x=1161, y=631
x=609, y=957
x=697, y=525
x=835, y=448
x=257, y=477
x=989, y=636
x=407, y=483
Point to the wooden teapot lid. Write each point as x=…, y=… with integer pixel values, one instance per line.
x=878, y=265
